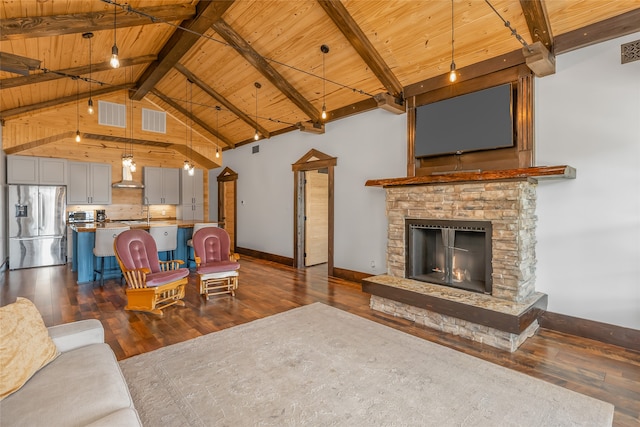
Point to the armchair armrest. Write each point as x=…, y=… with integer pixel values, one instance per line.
x=173, y=264
x=73, y=335
x=135, y=278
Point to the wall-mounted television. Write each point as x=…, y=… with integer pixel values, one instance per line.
x=481, y=120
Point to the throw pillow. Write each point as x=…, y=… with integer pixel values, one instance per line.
x=25, y=345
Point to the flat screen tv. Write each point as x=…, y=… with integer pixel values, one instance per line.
x=481, y=120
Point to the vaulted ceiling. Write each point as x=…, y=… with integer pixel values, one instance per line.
x=200, y=60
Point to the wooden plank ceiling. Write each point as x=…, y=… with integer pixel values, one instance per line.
x=199, y=60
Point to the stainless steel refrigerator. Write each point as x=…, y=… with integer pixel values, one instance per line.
x=37, y=229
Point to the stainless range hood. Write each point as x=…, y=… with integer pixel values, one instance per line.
x=127, y=180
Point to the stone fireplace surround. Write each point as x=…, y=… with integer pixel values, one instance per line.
x=507, y=317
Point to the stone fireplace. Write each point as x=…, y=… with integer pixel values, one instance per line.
x=497, y=303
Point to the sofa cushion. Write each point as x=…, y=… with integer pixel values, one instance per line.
x=25, y=345
x=78, y=388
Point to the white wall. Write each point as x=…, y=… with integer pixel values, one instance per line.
x=587, y=115
x=369, y=145
x=4, y=248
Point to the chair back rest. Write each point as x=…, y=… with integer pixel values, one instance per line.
x=137, y=249
x=103, y=245
x=165, y=236
x=211, y=244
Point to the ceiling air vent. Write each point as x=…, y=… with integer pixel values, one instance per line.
x=112, y=114
x=154, y=121
x=630, y=51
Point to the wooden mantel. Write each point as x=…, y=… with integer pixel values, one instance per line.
x=537, y=172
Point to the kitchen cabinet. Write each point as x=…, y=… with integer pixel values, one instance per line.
x=191, y=196
x=36, y=170
x=89, y=183
x=190, y=212
x=161, y=186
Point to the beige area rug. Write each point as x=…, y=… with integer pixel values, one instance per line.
x=320, y=366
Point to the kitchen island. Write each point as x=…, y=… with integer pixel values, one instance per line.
x=83, y=260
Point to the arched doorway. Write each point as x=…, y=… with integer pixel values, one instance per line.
x=313, y=209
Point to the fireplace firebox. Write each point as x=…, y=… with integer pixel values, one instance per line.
x=451, y=253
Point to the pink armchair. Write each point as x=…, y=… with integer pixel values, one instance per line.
x=151, y=284
x=216, y=267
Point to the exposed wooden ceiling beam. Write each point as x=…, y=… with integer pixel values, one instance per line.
x=180, y=42
x=46, y=26
x=17, y=64
x=348, y=26
x=198, y=121
x=123, y=140
x=537, y=19
x=198, y=158
x=618, y=26
x=260, y=64
x=58, y=101
x=76, y=71
x=221, y=99
x=38, y=143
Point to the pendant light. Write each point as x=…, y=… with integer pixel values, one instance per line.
x=324, y=49
x=256, y=136
x=217, y=132
x=115, y=61
x=452, y=73
x=78, y=139
x=186, y=163
x=191, y=170
x=90, y=102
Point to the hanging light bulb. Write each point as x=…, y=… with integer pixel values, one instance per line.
x=192, y=170
x=324, y=49
x=132, y=167
x=90, y=102
x=256, y=135
x=452, y=73
x=115, y=61
x=186, y=165
x=217, y=131
x=78, y=111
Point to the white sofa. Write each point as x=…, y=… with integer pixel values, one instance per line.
x=83, y=386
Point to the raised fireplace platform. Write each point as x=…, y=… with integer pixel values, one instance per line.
x=500, y=323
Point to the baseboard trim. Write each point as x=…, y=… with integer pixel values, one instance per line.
x=590, y=329
x=265, y=256
x=354, y=276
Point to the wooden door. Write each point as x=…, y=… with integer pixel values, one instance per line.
x=316, y=202
x=229, y=210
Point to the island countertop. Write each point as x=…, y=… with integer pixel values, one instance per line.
x=136, y=224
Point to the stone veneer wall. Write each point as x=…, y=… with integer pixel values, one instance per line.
x=509, y=205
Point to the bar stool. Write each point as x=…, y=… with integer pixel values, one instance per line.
x=103, y=247
x=166, y=237
x=197, y=226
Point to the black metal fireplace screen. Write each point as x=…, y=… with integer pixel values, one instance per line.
x=451, y=253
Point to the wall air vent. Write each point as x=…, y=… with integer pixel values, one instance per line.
x=630, y=51
x=154, y=121
x=112, y=114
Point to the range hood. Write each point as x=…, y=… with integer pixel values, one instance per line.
x=127, y=180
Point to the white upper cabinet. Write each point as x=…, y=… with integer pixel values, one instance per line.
x=161, y=186
x=89, y=183
x=192, y=188
x=36, y=170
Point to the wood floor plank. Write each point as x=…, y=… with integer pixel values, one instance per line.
x=603, y=371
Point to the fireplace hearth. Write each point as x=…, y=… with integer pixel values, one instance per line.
x=450, y=253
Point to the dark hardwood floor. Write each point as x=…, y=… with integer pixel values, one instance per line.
x=603, y=371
